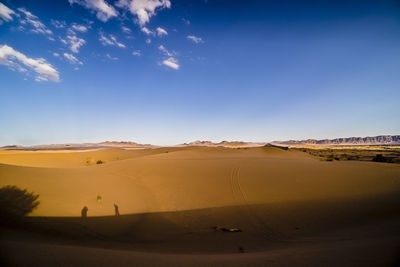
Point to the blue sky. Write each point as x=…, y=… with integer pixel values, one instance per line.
x=167, y=72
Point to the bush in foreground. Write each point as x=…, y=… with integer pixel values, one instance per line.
x=16, y=203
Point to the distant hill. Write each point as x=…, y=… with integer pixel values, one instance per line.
x=107, y=144
x=374, y=140
x=223, y=144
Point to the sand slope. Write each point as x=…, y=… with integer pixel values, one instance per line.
x=293, y=209
x=193, y=179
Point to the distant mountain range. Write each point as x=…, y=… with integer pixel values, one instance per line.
x=374, y=140
x=107, y=144
x=223, y=144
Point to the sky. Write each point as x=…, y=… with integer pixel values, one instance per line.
x=167, y=72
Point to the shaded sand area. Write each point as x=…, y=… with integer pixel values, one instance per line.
x=291, y=208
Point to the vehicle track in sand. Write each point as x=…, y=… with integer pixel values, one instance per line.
x=242, y=201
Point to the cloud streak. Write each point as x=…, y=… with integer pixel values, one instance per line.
x=103, y=10
x=17, y=61
x=161, y=31
x=72, y=59
x=146, y=31
x=58, y=24
x=5, y=13
x=195, y=39
x=110, y=40
x=32, y=20
x=171, y=63
x=79, y=28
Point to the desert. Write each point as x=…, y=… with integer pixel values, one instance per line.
x=178, y=204
x=200, y=133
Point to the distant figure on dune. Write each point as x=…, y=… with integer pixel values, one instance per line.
x=84, y=212
x=116, y=209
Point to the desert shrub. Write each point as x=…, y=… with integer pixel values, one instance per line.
x=16, y=203
x=381, y=158
x=89, y=161
x=99, y=161
x=330, y=158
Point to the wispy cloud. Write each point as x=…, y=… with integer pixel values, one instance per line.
x=74, y=43
x=143, y=9
x=126, y=29
x=79, y=27
x=17, y=61
x=161, y=31
x=195, y=39
x=137, y=53
x=186, y=21
x=58, y=24
x=5, y=13
x=165, y=51
x=146, y=31
x=111, y=57
x=72, y=59
x=29, y=19
x=170, y=60
x=110, y=40
x=104, y=11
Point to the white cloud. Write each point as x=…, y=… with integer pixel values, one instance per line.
x=147, y=31
x=137, y=53
x=56, y=54
x=143, y=9
x=5, y=13
x=34, y=22
x=126, y=29
x=58, y=24
x=79, y=27
x=74, y=43
x=111, y=57
x=17, y=61
x=165, y=51
x=104, y=11
x=161, y=31
x=110, y=40
x=148, y=41
x=195, y=39
x=171, y=63
x=170, y=60
x=186, y=21
x=72, y=59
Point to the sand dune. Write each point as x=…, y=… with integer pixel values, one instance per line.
x=286, y=203
x=185, y=179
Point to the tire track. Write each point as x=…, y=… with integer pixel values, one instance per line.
x=241, y=198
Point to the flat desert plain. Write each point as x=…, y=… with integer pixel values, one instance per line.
x=202, y=206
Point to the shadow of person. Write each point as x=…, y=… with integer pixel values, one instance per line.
x=84, y=212
x=116, y=209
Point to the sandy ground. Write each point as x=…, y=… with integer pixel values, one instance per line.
x=292, y=208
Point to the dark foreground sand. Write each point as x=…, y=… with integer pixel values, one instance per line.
x=291, y=208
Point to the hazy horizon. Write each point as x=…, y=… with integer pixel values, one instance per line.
x=172, y=72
